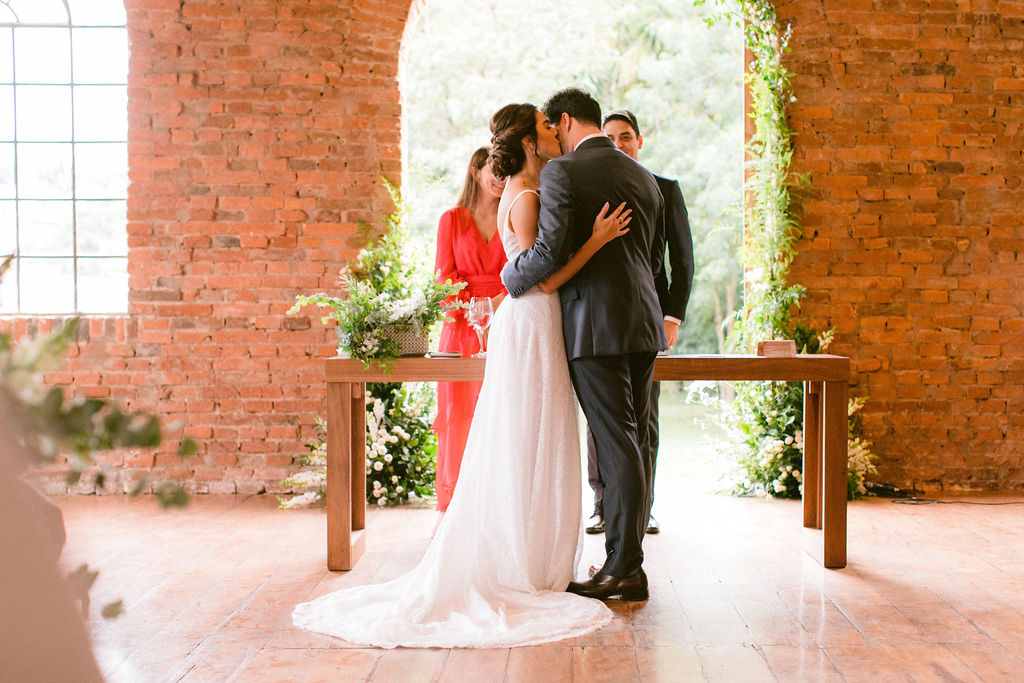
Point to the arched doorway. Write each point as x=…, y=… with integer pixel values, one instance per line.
x=684, y=81
x=460, y=63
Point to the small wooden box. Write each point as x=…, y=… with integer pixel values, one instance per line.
x=779, y=348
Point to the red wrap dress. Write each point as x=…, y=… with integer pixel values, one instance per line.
x=463, y=255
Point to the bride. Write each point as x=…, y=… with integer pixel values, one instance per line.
x=508, y=546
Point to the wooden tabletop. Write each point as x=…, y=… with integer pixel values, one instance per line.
x=816, y=367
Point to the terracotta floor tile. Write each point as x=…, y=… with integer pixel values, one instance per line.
x=991, y=663
x=667, y=664
x=799, y=663
x=733, y=663
x=273, y=665
x=865, y=664
x=475, y=665
x=539, y=664
x=608, y=664
x=410, y=665
x=333, y=666
x=925, y=662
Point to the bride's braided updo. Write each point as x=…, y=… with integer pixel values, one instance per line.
x=510, y=125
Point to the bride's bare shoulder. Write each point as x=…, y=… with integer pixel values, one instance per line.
x=518, y=203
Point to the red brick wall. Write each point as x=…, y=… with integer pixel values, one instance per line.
x=259, y=129
x=909, y=121
x=258, y=133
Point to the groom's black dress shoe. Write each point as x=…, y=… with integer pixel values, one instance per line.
x=595, y=525
x=602, y=586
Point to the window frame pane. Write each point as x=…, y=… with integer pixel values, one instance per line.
x=89, y=266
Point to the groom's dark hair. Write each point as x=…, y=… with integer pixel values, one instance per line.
x=576, y=103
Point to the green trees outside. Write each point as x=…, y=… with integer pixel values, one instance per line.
x=462, y=61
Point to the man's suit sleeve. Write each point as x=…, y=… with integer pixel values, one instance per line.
x=553, y=226
x=676, y=295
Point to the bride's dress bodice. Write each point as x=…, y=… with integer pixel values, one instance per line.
x=508, y=238
x=496, y=571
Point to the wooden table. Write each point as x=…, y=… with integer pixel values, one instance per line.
x=825, y=381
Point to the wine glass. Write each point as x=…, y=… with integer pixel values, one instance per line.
x=479, y=315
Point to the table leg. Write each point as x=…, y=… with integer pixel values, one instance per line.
x=812, y=455
x=344, y=490
x=833, y=494
x=358, y=457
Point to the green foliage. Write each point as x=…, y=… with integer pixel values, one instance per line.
x=312, y=480
x=766, y=420
x=772, y=229
x=401, y=449
x=766, y=417
x=386, y=291
x=655, y=57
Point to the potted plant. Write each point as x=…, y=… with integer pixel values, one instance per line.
x=389, y=301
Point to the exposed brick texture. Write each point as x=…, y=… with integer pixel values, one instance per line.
x=258, y=134
x=259, y=130
x=909, y=119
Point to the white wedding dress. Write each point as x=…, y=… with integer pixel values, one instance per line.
x=496, y=571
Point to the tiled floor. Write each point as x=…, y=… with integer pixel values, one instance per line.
x=932, y=593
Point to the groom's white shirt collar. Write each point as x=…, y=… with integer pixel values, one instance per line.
x=592, y=135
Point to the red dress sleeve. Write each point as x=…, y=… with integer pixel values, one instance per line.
x=445, y=267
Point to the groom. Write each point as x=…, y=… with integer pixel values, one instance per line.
x=611, y=319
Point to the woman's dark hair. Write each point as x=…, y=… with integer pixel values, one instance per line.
x=574, y=102
x=510, y=125
x=470, y=187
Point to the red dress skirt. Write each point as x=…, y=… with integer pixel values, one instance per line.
x=462, y=256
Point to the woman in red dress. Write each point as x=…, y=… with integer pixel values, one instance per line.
x=468, y=250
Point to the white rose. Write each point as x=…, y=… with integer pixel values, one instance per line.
x=378, y=466
x=399, y=490
x=394, y=478
x=376, y=493
x=388, y=457
x=382, y=501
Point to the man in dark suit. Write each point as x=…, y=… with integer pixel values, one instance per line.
x=622, y=128
x=611, y=319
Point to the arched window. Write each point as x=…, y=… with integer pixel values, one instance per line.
x=64, y=156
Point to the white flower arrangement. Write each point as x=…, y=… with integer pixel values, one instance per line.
x=400, y=445
x=400, y=449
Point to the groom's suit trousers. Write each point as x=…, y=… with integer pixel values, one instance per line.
x=614, y=392
x=654, y=427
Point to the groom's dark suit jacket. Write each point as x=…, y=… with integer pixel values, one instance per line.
x=612, y=305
